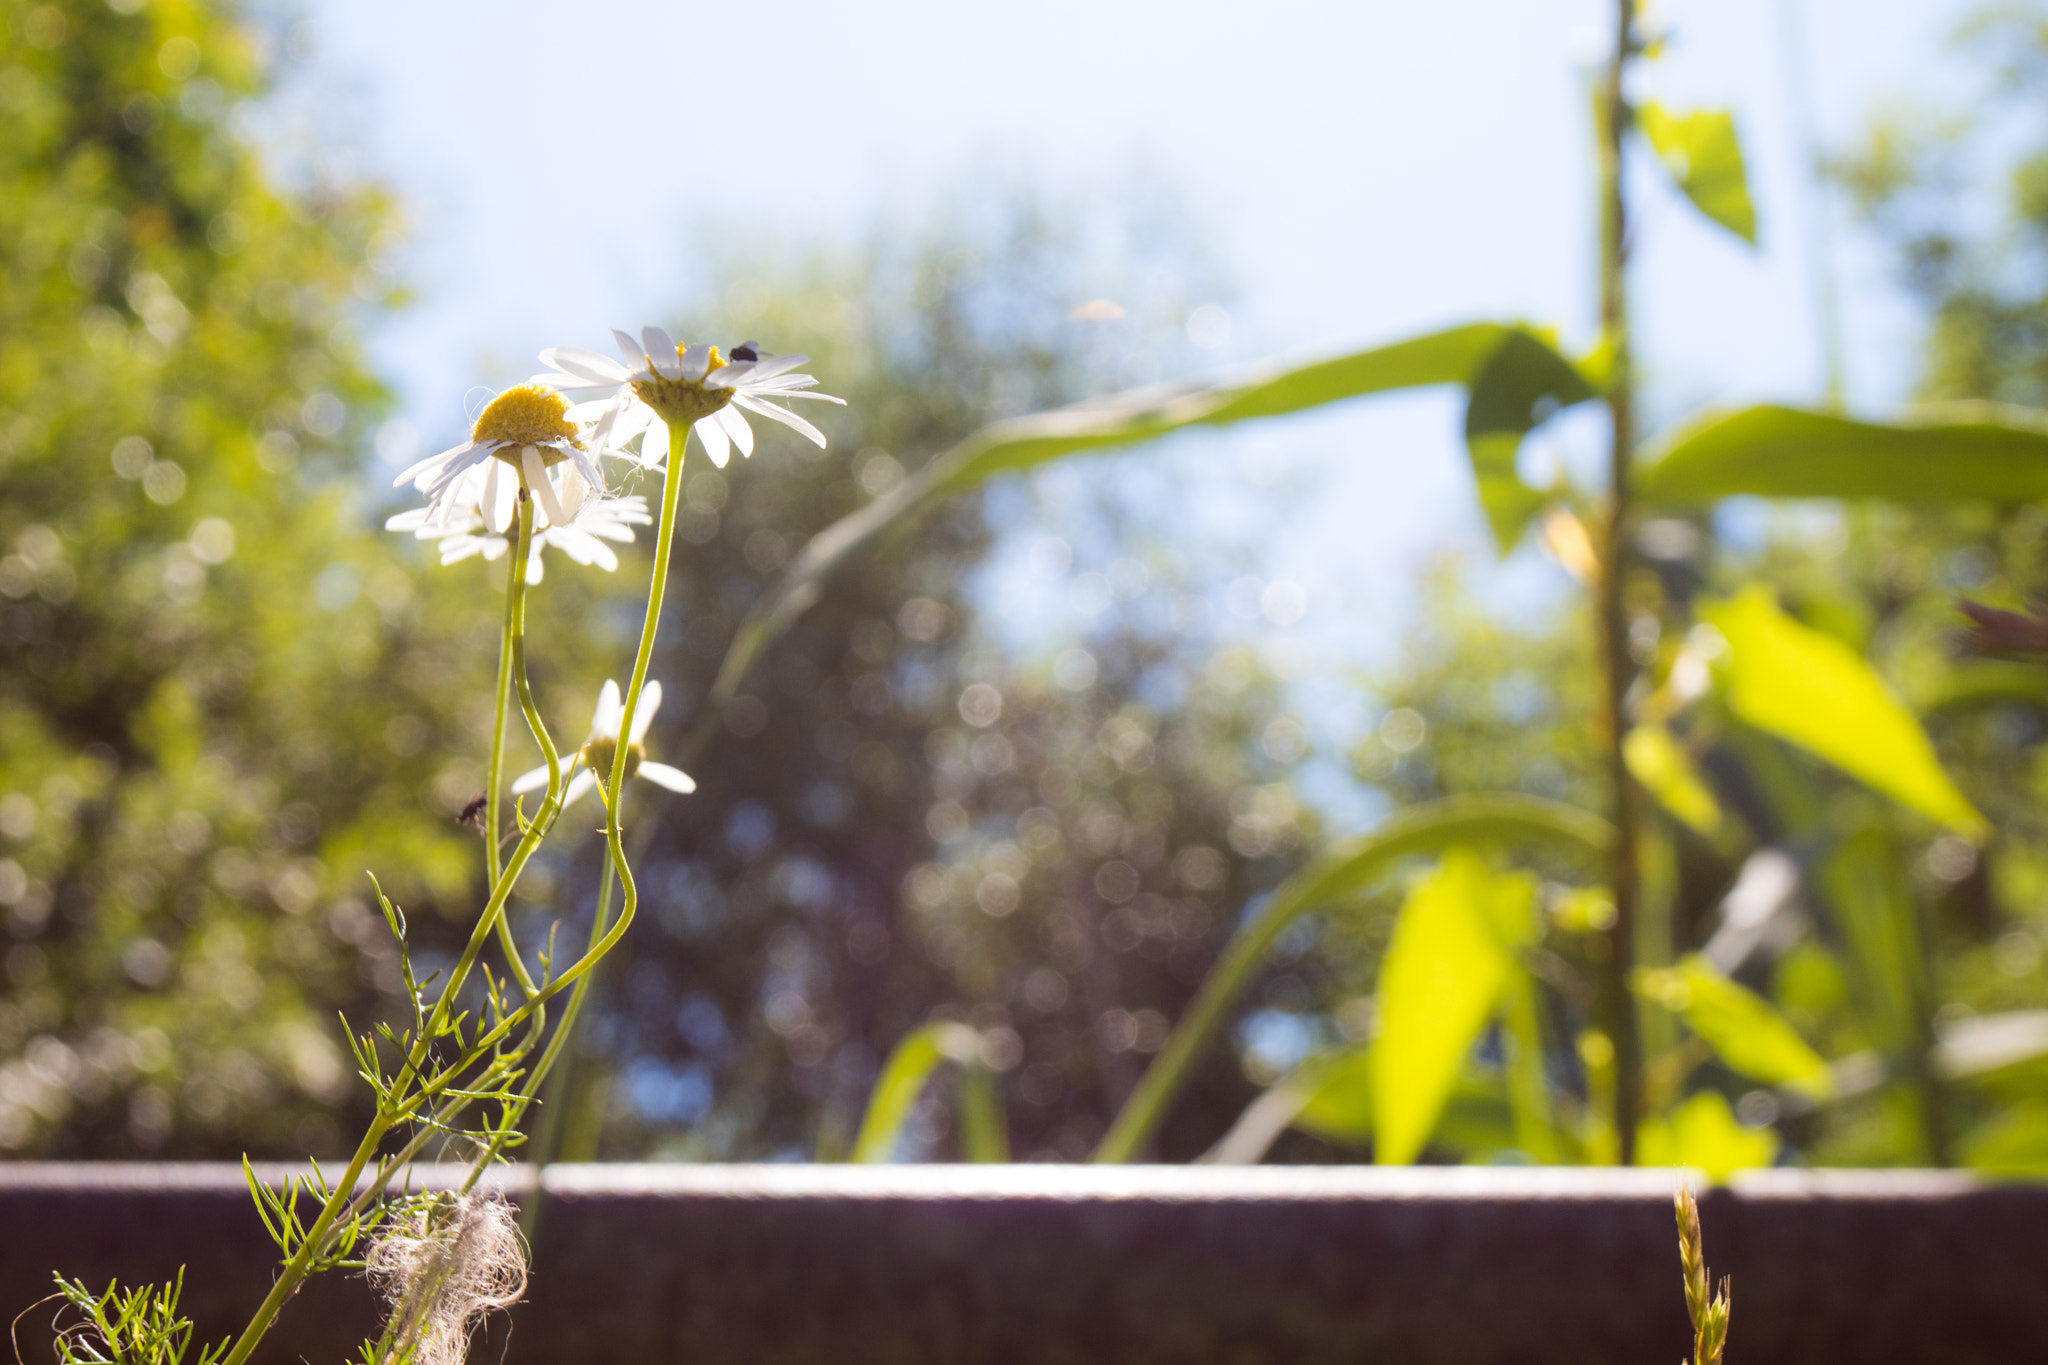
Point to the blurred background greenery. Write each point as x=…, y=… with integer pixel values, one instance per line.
x=224, y=694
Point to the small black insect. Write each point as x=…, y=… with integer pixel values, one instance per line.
x=746, y=350
x=472, y=814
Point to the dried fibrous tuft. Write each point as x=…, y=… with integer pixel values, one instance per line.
x=442, y=1262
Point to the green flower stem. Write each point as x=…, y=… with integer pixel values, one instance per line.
x=1616, y=1006
x=564, y=1035
x=397, y=1103
x=494, y=855
x=511, y=660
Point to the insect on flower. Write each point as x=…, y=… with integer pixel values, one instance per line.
x=661, y=382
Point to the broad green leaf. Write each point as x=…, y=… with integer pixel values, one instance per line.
x=1703, y=1133
x=1810, y=689
x=1741, y=1026
x=1338, y=874
x=903, y=1080
x=1518, y=367
x=1521, y=384
x=1666, y=771
x=1963, y=452
x=1704, y=157
x=1444, y=974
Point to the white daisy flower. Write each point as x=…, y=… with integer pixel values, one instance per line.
x=526, y=429
x=591, y=522
x=593, y=762
x=661, y=380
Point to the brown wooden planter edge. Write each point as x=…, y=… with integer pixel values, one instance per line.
x=1041, y=1264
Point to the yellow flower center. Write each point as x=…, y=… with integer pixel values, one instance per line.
x=680, y=401
x=524, y=415
x=598, y=754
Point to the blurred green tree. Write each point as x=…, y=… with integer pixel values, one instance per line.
x=219, y=701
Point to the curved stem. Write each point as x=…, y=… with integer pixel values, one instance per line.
x=396, y=1102
x=494, y=855
x=511, y=644
x=564, y=1035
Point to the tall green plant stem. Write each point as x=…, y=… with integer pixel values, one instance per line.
x=1617, y=1008
x=398, y=1103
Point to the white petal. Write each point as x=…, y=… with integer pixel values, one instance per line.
x=578, y=785
x=540, y=486
x=406, y=521
x=737, y=428
x=634, y=353
x=605, y=720
x=530, y=782
x=633, y=418
x=497, y=508
x=770, y=391
x=492, y=548
x=643, y=714
x=661, y=775
x=768, y=366
x=583, y=547
x=662, y=351
x=589, y=410
x=419, y=467
x=574, y=490
x=448, y=479
x=577, y=363
x=782, y=415
x=696, y=361
x=588, y=474
x=730, y=375
x=535, y=570
x=713, y=438
x=654, y=445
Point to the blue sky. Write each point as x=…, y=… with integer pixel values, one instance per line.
x=1362, y=171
